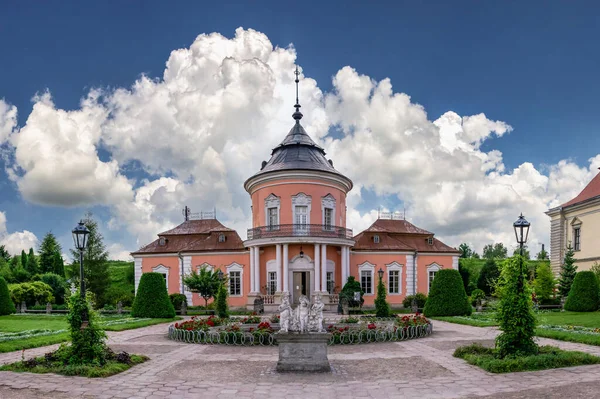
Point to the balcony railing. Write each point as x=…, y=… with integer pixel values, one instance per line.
x=299, y=230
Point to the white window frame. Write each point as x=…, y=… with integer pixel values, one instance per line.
x=272, y=201
x=367, y=267
x=271, y=282
x=329, y=282
x=301, y=199
x=162, y=269
x=236, y=267
x=394, y=266
x=434, y=267
x=206, y=265
x=328, y=202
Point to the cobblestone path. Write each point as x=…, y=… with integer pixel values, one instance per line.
x=422, y=368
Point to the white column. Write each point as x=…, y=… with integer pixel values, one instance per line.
x=344, y=267
x=285, y=268
x=252, y=269
x=317, y=269
x=347, y=263
x=324, y=266
x=278, y=265
x=257, y=269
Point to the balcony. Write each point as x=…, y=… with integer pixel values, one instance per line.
x=299, y=230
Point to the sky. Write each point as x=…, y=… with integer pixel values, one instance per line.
x=464, y=114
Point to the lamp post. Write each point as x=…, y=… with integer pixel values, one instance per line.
x=80, y=235
x=380, y=273
x=521, y=231
x=220, y=275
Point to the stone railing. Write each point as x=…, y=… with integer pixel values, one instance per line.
x=299, y=230
x=269, y=299
x=334, y=299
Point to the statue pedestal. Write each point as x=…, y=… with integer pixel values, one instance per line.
x=303, y=351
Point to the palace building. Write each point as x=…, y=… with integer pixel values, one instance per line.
x=299, y=242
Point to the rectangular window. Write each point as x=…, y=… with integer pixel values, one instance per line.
x=328, y=218
x=366, y=282
x=394, y=281
x=166, y=281
x=431, y=277
x=301, y=222
x=577, y=239
x=330, y=282
x=235, y=283
x=272, y=283
x=273, y=218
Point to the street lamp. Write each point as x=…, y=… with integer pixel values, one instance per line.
x=301, y=252
x=80, y=234
x=380, y=272
x=220, y=275
x=521, y=231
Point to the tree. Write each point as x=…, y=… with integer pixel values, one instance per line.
x=488, y=277
x=447, y=296
x=4, y=254
x=32, y=264
x=152, y=299
x=48, y=250
x=495, y=251
x=221, y=307
x=514, y=312
x=348, y=291
x=465, y=250
x=525, y=255
x=58, y=285
x=544, y=283
x=382, y=308
x=542, y=255
x=95, y=262
x=15, y=262
x=32, y=292
x=475, y=255
x=568, y=271
x=205, y=282
x=583, y=296
x=466, y=277
x=58, y=264
x=596, y=270
x=23, y=259
x=6, y=304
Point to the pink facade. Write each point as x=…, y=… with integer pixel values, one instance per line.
x=299, y=243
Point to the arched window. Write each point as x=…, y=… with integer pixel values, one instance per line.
x=272, y=207
x=162, y=269
x=328, y=211
x=431, y=272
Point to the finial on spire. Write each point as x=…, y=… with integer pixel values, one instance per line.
x=297, y=115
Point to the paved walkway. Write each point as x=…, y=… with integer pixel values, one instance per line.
x=421, y=368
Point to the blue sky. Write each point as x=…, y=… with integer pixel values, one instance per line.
x=532, y=65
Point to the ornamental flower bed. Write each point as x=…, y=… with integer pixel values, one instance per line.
x=251, y=320
x=196, y=323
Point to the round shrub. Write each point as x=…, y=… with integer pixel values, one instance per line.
x=177, y=300
x=6, y=304
x=447, y=296
x=421, y=300
x=583, y=296
x=477, y=295
x=152, y=299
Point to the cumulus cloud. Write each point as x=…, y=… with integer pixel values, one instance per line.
x=203, y=128
x=17, y=241
x=8, y=120
x=116, y=251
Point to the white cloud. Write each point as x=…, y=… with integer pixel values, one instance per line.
x=8, y=120
x=221, y=106
x=17, y=241
x=116, y=251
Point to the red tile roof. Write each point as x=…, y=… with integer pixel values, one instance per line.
x=590, y=191
x=398, y=235
x=202, y=226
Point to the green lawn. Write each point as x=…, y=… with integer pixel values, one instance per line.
x=583, y=319
x=36, y=326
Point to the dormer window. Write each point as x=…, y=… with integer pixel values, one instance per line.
x=221, y=237
x=376, y=239
x=162, y=241
x=430, y=240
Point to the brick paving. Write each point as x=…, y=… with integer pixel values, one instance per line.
x=421, y=368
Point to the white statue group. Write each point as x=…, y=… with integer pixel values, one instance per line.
x=305, y=318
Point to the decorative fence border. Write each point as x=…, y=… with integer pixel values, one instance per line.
x=346, y=337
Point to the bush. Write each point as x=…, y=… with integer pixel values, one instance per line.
x=58, y=285
x=544, y=283
x=35, y=291
x=583, y=296
x=87, y=340
x=466, y=278
x=488, y=277
x=6, y=304
x=117, y=293
x=421, y=300
x=477, y=295
x=177, y=300
x=447, y=296
x=222, y=308
x=348, y=291
x=152, y=299
x=382, y=308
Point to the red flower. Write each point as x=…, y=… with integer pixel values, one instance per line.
x=330, y=326
x=176, y=325
x=371, y=326
x=251, y=329
x=210, y=323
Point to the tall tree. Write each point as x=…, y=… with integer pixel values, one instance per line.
x=568, y=271
x=205, y=282
x=465, y=250
x=15, y=262
x=48, y=248
x=525, y=255
x=544, y=283
x=542, y=255
x=495, y=251
x=32, y=264
x=488, y=277
x=4, y=254
x=58, y=264
x=95, y=261
x=23, y=259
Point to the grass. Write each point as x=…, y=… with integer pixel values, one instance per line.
x=583, y=319
x=549, y=357
x=476, y=319
x=92, y=371
x=38, y=322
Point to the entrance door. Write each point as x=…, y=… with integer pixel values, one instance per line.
x=301, y=285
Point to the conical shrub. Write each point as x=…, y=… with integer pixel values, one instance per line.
x=6, y=304
x=583, y=296
x=447, y=296
x=152, y=299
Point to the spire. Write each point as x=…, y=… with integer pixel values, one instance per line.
x=297, y=115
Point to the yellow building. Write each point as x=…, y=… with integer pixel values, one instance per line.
x=577, y=223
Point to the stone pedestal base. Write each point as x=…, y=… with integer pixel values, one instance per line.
x=303, y=352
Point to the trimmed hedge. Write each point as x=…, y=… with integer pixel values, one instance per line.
x=6, y=304
x=152, y=299
x=583, y=296
x=447, y=296
x=421, y=300
x=177, y=300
